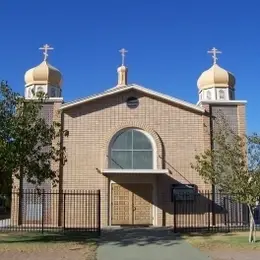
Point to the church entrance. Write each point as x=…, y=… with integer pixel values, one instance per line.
x=131, y=204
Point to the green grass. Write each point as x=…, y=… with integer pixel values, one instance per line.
x=223, y=241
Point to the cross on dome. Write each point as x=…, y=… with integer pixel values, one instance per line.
x=214, y=53
x=123, y=51
x=46, y=48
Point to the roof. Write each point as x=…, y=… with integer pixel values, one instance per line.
x=142, y=89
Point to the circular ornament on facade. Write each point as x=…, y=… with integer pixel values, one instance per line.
x=132, y=102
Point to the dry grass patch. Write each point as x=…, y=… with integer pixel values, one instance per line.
x=227, y=246
x=46, y=247
x=237, y=240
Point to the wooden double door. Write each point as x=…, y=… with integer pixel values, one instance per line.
x=131, y=204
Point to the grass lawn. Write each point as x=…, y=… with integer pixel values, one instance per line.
x=35, y=246
x=238, y=240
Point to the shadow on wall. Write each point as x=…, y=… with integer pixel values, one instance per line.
x=204, y=209
x=115, y=100
x=98, y=105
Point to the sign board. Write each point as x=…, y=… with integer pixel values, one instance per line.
x=183, y=192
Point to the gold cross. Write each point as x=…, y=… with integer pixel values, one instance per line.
x=46, y=48
x=123, y=52
x=214, y=51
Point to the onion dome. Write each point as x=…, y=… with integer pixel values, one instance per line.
x=43, y=74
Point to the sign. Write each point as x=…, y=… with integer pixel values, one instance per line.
x=183, y=192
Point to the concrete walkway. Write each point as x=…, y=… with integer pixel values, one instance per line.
x=145, y=244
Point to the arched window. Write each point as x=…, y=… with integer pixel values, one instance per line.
x=208, y=94
x=29, y=91
x=40, y=90
x=221, y=94
x=53, y=92
x=131, y=149
x=231, y=95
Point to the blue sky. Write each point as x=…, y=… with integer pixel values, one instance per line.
x=167, y=42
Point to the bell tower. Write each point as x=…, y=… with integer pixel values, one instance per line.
x=43, y=78
x=216, y=83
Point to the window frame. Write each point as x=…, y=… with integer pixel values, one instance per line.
x=222, y=94
x=132, y=149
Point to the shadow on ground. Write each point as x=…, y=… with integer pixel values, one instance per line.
x=52, y=237
x=139, y=236
x=113, y=236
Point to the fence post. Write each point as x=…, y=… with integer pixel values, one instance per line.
x=209, y=210
x=228, y=208
x=213, y=205
x=225, y=208
x=64, y=217
x=20, y=206
x=99, y=213
x=231, y=209
x=43, y=209
x=175, y=213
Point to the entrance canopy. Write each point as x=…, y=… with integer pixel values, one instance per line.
x=135, y=171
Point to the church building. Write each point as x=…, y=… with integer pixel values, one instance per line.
x=135, y=144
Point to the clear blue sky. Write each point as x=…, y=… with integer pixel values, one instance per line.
x=167, y=42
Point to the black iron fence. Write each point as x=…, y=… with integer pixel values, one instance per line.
x=207, y=211
x=42, y=210
x=79, y=210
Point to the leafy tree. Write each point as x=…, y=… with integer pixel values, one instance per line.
x=28, y=144
x=233, y=165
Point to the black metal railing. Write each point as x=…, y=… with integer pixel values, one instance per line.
x=207, y=211
x=43, y=210
x=80, y=210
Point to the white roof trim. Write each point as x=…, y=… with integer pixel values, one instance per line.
x=131, y=171
x=136, y=87
x=222, y=102
x=47, y=100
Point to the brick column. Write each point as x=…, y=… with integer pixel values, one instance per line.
x=15, y=207
x=241, y=119
x=207, y=134
x=56, y=196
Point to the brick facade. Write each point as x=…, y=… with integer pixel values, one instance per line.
x=177, y=131
x=50, y=112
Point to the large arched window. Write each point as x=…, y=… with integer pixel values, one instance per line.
x=131, y=149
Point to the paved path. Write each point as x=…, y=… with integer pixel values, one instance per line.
x=145, y=244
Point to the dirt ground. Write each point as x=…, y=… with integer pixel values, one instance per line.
x=57, y=251
x=32, y=246
x=243, y=254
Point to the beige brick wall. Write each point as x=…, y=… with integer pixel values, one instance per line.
x=52, y=212
x=178, y=133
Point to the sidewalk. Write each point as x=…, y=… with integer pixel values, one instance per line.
x=145, y=244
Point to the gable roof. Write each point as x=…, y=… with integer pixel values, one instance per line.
x=142, y=89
